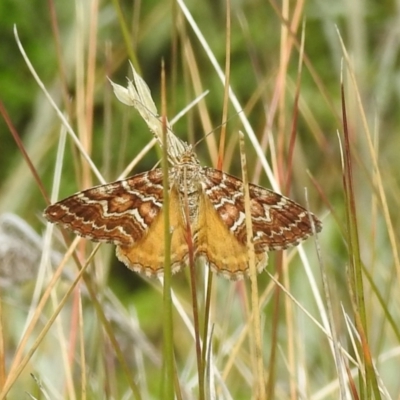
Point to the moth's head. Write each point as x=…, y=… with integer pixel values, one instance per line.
x=187, y=157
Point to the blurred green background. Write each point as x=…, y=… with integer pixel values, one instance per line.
x=266, y=87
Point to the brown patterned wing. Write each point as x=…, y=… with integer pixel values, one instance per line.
x=277, y=221
x=223, y=252
x=120, y=212
x=147, y=255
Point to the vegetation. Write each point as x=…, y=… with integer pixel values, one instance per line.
x=318, y=85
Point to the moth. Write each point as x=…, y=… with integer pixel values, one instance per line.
x=129, y=214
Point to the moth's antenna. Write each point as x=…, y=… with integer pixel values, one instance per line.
x=215, y=129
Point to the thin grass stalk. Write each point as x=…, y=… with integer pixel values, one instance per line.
x=60, y=62
x=285, y=50
x=21, y=148
x=356, y=264
x=84, y=176
x=194, y=71
x=287, y=184
x=207, y=309
x=388, y=316
x=293, y=132
x=195, y=307
x=42, y=390
x=178, y=391
x=340, y=363
x=284, y=57
x=208, y=372
x=174, y=55
x=82, y=352
x=168, y=376
x=107, y=116
x=220, y=163
x=274, y=329
x=292, y=334
x=91, y=70
x=2, y=348
x=255, y=305
x=68, y=359
x=352, y=239
x=200, y=344
x=59, y=114
x=221, y=149
x=67, y=347
x=126, y=35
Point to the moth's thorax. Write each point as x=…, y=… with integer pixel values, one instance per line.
x=185, y=177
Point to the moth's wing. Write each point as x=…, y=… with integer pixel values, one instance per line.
x=147, y=255
x=277, y=221
x=219, y=246
x=120, y=212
